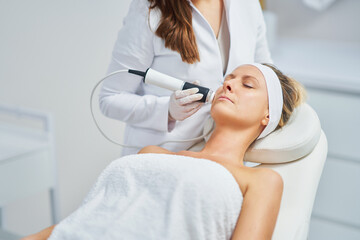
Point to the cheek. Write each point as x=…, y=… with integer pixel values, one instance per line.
x=252, y=106
x=247, y=101
x=248, y=110
x=218, y=91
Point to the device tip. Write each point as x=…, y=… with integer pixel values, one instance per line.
x=211, y=96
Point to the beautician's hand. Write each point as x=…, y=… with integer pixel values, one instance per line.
x=183, y=103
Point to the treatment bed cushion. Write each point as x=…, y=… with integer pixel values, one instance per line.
x=293, y=141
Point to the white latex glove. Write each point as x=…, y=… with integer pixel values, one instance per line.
x=183, y=103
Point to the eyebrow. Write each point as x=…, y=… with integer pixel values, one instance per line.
x=230, y=75
x=249, y=76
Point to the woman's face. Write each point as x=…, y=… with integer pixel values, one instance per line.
x=242, y=100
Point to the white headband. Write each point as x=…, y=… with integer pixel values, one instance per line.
x=275, y=98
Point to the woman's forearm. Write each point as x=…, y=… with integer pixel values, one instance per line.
x=42, y=235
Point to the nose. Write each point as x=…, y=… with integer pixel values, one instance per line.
x=227, y=86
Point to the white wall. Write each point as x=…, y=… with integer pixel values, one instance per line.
x=340, y=22
x=51, y=55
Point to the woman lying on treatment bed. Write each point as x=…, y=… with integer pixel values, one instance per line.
x=210, y=194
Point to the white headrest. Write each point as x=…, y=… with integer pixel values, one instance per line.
x=293, y=141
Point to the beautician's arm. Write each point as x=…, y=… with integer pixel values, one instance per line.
x=260, y=206
x=120, y=96
x=42, y=235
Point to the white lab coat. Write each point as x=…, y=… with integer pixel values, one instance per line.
x=144, y=107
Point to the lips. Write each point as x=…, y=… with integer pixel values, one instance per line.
x=225, y=97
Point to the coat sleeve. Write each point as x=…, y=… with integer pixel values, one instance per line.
x=262, y=52
x=120, y=96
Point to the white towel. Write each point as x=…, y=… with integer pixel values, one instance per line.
x=157, y=196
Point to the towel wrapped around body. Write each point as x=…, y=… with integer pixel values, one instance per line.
x=157, y=196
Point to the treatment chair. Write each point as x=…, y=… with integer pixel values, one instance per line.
x=297, y=152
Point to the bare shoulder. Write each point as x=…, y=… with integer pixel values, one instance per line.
x=265, y=178
x=258, y=179
x=154, y=149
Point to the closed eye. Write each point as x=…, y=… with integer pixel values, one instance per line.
x=247, y=86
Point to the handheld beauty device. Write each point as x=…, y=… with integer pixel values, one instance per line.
x=165, y=81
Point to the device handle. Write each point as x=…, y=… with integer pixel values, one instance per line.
x=204, y=91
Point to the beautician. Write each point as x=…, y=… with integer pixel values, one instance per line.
x=198, y=40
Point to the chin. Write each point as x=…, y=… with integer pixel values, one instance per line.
x=221, y=113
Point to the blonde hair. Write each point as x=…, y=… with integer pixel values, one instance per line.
x=293, y=94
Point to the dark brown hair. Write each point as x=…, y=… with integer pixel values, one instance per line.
x=293, y=94
x=175, y=27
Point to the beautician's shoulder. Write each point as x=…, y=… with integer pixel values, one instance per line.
x=139, y=13
x=154, y=149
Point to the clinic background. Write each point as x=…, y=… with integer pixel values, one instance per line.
x=52, y=53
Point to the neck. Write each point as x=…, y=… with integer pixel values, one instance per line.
x=228, y=145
